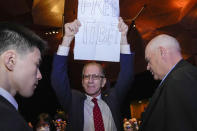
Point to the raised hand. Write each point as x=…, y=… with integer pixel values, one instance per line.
x=123, y=28
x=70, y=30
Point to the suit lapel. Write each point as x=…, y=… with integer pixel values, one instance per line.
x=6, y=103
x=152, y=103
x=81, y=106
x=109, y=101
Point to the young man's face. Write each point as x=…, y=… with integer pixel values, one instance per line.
x=93, y=80
x=26, y=73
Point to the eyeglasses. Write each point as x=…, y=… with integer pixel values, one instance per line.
x=93, y=76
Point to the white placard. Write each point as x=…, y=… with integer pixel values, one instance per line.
x=98, y=37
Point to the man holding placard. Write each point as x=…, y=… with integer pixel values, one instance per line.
x=95, y=109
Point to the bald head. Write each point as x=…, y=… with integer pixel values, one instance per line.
x=165, y=41
x=96, y=64
x=162, y=53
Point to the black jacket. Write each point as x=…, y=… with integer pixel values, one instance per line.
x=173, y=106
x=10, y=119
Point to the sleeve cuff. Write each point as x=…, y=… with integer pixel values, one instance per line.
x=63, y=50
x=125, y=49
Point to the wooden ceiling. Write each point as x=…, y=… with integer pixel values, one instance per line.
x=175, y=17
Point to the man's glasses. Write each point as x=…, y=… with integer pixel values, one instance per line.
x=93, y=76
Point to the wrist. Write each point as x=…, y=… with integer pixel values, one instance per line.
x=67, y=40
x=123, y=40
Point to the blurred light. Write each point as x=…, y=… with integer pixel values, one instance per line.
x=51, y=32
x=180, y=3
x=56, y=9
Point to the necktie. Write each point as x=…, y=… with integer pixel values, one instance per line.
x=98, y=120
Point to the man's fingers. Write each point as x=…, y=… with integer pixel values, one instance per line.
x=77, y=22
x=75, y=26
x=72, y=28
x=120, y=23
x=122, y=26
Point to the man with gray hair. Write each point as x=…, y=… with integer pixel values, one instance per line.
x=173, y=106
x=94, y=109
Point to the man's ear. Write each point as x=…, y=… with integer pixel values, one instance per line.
x=9, y=58
x=163, y=51
x=103, y=82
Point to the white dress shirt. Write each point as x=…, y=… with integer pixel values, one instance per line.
x=108, y=120
x=166, y=75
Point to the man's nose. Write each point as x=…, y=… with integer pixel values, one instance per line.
x=39, y=75
x=90, y=79
x=148, y=67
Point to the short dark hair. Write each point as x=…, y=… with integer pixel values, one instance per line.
x=17, y=37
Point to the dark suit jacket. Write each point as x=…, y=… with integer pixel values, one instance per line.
x=174, y=104
x=10, y=119
x=73, y=100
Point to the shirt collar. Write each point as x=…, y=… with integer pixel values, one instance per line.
x=167, y=74
x=90, y=98
x=8, y=97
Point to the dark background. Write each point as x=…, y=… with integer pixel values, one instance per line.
x=174, y=17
